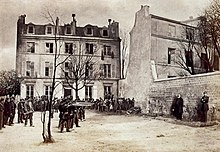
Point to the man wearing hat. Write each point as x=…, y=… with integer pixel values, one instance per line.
x=29, y=110
x=203, y=107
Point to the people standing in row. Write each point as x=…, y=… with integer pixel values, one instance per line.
x=177, y=107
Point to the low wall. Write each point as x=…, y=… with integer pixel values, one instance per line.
x=161, y=93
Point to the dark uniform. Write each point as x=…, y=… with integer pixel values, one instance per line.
x=13, y=108
x=7, y=111
x=1, y=113
x=203, y=108
x=21, y=111
x=29, y=110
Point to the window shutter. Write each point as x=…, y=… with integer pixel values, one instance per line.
x=101, y=70
x=113, y=71
x=51, y=69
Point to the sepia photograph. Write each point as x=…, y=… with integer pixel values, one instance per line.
x=109, y=75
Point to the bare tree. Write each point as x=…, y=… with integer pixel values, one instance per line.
x=210, y=21
x=81, y=67
x=124, y=51
x=57, y=61
x=184, y=55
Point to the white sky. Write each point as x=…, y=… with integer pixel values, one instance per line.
x=95, y=12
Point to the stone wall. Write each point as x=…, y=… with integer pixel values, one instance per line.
x=161, y=93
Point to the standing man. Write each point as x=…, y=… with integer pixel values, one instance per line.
x=13, y=108
x=1, y=112
x=21, y=111
x=7, y=110
x=29, y=110
x=203, y=107
x=177, y=107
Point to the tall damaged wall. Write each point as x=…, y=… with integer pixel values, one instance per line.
x=161, y=93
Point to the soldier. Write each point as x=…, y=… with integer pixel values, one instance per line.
x=1, y=113
x=13, y=108
x=203, y=107
x=64, y=117
x=29, y=110
x=21, y=111
x=7, y=111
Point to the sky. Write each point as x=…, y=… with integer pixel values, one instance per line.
x=95, y=12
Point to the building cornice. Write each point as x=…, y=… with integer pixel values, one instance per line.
x=63, y=37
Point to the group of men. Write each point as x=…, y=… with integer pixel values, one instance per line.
x=8, y=111
x=112, y=105
x=70, y=113
x=202, y=107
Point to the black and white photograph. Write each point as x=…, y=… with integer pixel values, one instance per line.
x=109, y=75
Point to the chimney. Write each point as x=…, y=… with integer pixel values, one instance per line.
x=74, y=24
x=22, y=19
x=109, y=21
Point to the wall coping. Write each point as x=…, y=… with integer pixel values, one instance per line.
x=190, y=76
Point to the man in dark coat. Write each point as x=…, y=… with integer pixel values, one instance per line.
x=13, y=108
x=203, y=107
x=177, y=107
x=1, y=113
x=7, y=110
x=21, y=111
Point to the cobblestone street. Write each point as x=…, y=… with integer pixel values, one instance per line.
x=103, y=132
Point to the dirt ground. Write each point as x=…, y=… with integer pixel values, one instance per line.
x=107, y=133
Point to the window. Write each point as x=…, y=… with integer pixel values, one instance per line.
x=48, y=91
x=189, y=58
x=107, y=70
x=189, y=34
x=31, y=29
x=68, y=30
x=107, y=50
x=89, y=70
x=89, y=48
x=204, y=61
x=107, y=90
x=171, y=57
x=49, y=30
x=88, y=92
x=216, y=62
x=89, y=31
x=48, y=69
x=29, y=68
x=49, y=47
x=66, y=69
x=69, y=48
x=30, y=91
x=105, y=33
x=172, y=31
x=30, y=47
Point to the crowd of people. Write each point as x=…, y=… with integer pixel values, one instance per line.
x=70, y=113
x=8, y=110
x=109, y=104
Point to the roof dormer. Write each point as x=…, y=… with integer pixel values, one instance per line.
x=30, y=28
x=49, y=29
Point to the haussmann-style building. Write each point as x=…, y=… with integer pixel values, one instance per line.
x=35, y=57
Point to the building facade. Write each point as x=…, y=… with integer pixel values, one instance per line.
x=155, y=51
x=37, y=46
